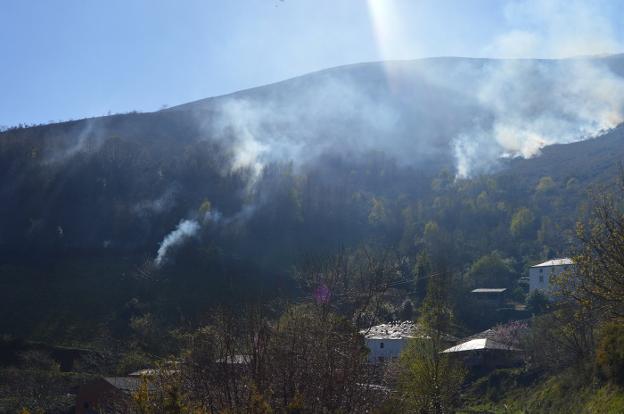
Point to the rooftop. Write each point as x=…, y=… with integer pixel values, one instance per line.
x=126, y=384
x=152, y=372
x=392, y=330
x=489, y=290
x=479, y=344
x=556, y=262
x=237, y=359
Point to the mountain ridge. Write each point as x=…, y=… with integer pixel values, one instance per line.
x=188, y=105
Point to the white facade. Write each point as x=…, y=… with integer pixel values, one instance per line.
x=385, y=349
x=541, y=275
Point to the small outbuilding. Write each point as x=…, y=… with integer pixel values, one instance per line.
x=105, y=393
x=491, y=296
x=479, y=344
x=493, y=348
x=485, y=354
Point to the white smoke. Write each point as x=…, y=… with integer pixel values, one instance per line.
x=478, y=112
x=165, y=202
x=190, y=228
x=322, y=117
x=557, y=29
x=185, y=230
x=61, y=146
x=212, y=216
x=540, y=102
x=472, y=111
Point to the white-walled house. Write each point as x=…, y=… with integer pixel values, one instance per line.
x=540, y=275
x=387, y=341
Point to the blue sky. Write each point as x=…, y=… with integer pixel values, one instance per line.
x=67, y=59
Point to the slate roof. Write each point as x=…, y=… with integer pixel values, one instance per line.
x=479, y=344
x=238, y=359
x=392, y=330
x=152, y=372
x=399, y=330
x=555, y=262
x=126, y=384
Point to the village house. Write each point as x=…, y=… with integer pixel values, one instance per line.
x=107, y=394
x=103, y=394
x=387, y=341
x=496, y=347
x=485, y=353
x=541, y=275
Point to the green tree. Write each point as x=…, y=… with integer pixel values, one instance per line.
x=422, y=269
x=378, y=214
x=430, y=380
x=436, y=313
x=545, y=184
x=563, y=339
x=610, y=351
x=522, y=223
x=491, y=270
x=537, y=302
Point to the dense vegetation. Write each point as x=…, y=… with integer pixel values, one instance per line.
x=289, y=256
x=79, y=236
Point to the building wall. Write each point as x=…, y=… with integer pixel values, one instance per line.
x=97, y=394
x=541, y=277
x=385, y=349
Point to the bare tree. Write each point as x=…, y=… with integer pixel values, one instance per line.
x=352, y=283
x=598, y=282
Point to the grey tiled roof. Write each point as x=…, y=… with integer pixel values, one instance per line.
x=127, y=384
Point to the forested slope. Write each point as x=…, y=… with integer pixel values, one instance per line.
x=272, y=177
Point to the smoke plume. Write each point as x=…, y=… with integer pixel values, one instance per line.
x=472, y=111
x=538, y=103
x=185, y=230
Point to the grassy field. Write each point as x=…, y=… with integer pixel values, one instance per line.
x=514, y=391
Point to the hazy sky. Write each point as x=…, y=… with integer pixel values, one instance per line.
x=66, y=59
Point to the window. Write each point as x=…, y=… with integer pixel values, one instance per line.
x=381, y=345
x=541, y=276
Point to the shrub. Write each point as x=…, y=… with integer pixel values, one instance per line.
x=610, y=352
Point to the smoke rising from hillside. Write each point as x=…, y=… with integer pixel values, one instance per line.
x=474, y=113
x=185, y=230
x=538, y=103
x=471, y=112
x=535, y=102
x=327, y=115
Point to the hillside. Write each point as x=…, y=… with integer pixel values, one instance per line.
x=361, y=154
x=148, y=171
x=593, y=160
